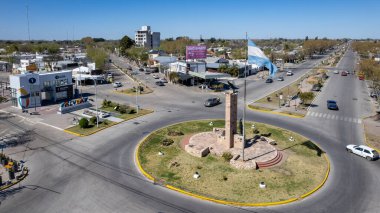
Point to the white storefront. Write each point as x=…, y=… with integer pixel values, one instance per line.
x=36, y=89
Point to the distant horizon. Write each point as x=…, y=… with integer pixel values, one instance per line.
x=111, y=20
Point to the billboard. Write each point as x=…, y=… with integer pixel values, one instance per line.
x=196, y=52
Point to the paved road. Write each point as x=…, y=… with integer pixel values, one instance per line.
x=97, y=173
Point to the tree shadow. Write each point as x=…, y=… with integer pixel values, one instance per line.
x=312, y=146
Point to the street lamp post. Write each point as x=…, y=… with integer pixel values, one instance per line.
x=96, y=104
x=137, y=90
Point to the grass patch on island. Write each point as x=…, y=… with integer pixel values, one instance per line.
x=303, y=170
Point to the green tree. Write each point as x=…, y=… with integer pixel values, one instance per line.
x=212, y=40
x=87, y=40
x=306, y=97
x=125, y=44
x=83, y=123
x=97, y=55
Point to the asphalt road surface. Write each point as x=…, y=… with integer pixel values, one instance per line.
x=98, y=173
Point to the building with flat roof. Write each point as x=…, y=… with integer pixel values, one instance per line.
x=36, y=89
x=144, y=37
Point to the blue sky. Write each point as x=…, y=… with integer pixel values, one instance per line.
x=111, y=19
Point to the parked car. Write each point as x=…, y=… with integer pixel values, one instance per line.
x=363, y=151
x=117, y=84
x=289, y=73
x=316, y=88
x=155, y=76
x=160, y=83
x=343, y=73
x=336, y=71
x=331, y=104
x=269, y=80
x=141, y=70
x=164, y=80
x=280, y=78
x=212, y=102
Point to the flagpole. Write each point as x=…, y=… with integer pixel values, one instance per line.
x=245, y=94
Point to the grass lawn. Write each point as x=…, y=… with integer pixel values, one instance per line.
x=127, y=116
x=131, y=91
x=303, y=170
x=92, y=128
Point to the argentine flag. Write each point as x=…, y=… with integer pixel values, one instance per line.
x=256, y=56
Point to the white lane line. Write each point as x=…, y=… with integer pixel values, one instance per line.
x=341, y=118
x=324, y=115
x=308, y=113
x=349, y=119
x=328, y=116
x=345, y=119
x=354, y=120
x=333, y=117
x=359, y=121
x=312, y=113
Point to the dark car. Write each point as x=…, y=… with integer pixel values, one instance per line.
x=316, y=88
x=332, y=105
x=160, y=83
x=343, y=73
x=212, y=102
x=269, y=80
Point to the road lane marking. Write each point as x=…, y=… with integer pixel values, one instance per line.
x=312, y=114
x=324, y=115
x=341, y=118
x=308, y=113
x=328, y=116
x=349, y=119
x=359, y=121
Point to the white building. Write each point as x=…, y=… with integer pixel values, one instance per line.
x=146, y=38
x=34, y=89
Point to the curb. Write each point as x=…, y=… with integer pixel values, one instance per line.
x=276, y=113
x=18, y=181
x=98, y=130
x=148, y=176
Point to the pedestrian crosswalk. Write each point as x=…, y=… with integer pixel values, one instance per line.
x=334, y=117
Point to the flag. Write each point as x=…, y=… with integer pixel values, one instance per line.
x=256, y=56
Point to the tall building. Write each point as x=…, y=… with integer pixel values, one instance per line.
x=146, y=38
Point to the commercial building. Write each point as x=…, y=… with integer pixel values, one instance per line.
x=35, y=89
x=146, y=38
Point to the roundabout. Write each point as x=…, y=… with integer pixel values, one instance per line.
x=303, y=169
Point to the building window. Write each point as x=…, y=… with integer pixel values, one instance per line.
x=47, y=84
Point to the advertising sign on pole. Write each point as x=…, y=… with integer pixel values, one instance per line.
x=196, y=52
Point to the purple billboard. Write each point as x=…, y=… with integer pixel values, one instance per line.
x=196, y=52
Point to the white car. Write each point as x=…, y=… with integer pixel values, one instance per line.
x=155, y=76
x=164, y=80
x=117, y=84
x=364, y=151
x=336, y=72
x=289, y=73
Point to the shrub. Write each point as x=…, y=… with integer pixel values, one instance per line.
x=83, y=123
x=93, y=120
x=132, y=111
x=227, y=156
x=256, y=131
x=105, y=122
x=105, y=103
x=167, y=142
x=123, y=109
x=174, y=133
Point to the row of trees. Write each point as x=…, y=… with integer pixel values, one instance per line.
x=232, y=70
x=177, y=46
x=127, y=49
x=311, y=47
x=365, y=48
x=49, y=47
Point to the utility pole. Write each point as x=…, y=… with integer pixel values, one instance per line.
x=27, y=18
